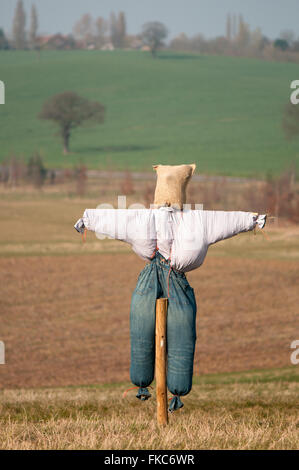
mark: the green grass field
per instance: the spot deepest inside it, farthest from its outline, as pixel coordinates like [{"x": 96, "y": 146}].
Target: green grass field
[{"x": 222, "y": 113}]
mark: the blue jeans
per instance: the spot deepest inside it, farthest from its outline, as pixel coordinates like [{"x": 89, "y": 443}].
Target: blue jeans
[{"x": 154, "y": 282}]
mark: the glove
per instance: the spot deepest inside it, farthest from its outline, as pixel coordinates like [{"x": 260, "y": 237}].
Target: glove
[
  {"x": 79, "y": 226},
  {"x": 261, "y": 220}
]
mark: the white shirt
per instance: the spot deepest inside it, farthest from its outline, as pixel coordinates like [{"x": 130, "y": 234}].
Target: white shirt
[{"x": 181, "y": 236}]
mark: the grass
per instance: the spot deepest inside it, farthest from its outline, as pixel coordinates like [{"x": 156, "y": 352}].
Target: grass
[
  {"x": 222, "y": 113},
  {"x": 258, "y": 376},
  {"x": 221, "y": 412}
]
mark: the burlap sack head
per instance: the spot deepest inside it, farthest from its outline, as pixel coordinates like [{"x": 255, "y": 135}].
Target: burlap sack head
[{"x": 171, "y": 184}]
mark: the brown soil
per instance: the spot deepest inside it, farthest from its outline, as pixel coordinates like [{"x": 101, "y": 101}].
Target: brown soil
[{"x": 65, "y": 320}]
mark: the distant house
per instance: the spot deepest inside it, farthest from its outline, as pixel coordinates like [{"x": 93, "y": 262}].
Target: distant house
[
  {"x": 108, "y": 47},
  {"x": 42, "y": 40},
  {"x": 57, "y": 41},
  {"x": 134, "y": 42}
]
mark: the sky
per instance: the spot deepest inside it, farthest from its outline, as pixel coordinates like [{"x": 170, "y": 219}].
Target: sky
[{"x": 190, "y": 16}]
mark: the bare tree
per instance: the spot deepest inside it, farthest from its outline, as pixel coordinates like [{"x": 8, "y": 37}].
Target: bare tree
[
  {"x": 121, "y": 29},
  {"x": 181, "y": 43},
  {"x": 101, "y": 31},
  {"x": 18, "y": 28},
  {"x": 234, "y": 27},
  {"x": 113, "y": 29},
  {"x": 288, "y": 35},
  {"x": 33, "y": 27},
  {"x": 243, "y": 37},
  {"x": 4, "y": 44},
  {"x": 153, "y": 34},
  {"x": 127, "y": 185},
  {"x": 256, "y": 40},
  {"x": 228, "y": 28},
  {"x": 118, "y": 29},
  {"x": 83, "y": 29},
  {"x": 68, "y": 111},
  {"x": 36, "y": 171},
  {"x": 81, "y": 178}
]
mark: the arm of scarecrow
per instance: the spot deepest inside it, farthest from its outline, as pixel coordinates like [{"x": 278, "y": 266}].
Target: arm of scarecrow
[
  {"x": 220, "y": 225},
  {"x": 121, "y": 224}
]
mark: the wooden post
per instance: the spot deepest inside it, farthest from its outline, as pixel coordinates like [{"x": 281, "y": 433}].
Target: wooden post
[{"x": 161, "y": 388}]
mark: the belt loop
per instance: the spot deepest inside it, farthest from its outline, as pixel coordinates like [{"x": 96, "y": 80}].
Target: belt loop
[
  {"x": 170, "y": 269},
  {"x": 155, "y": 252},
  {"x": 168, "y": 278}
]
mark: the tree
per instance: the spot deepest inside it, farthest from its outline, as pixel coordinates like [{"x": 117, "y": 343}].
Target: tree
[
  {"x": 18, "y": 29},
  {"x": 101, "y": 31},
  {"x": 181, "y": 43},
  {"x": 68, "y": 111},
  {"x": 118, "y": 29},
  {"x": 243, "y": 37},
  {"x": 83, "y": 29},
  {"x": 36, "y": 171},
  {"x": 288, "y": 35},
  {"x": 228, "y": 28},
  {"x": 256, "y": 41},
  {"x": 153, "y": 34},
  {"x": 281, "y": 44},
  {"x": 121, "y": 26},
  {"x": 234, "y": 27},
  {"x": 114, "y": 30},
  {"x": 60, "y": 42},
  {"x": 295, "y": 46},
  {"x": 3, "y": 41},
  {"x": 33, "y": 27}
]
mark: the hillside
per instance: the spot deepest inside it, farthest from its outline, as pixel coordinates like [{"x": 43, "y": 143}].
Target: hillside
[{"x": 222, "y": 113}]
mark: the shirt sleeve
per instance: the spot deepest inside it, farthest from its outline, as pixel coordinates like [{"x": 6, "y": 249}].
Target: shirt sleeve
[
  {"x": 127, "y": 225},
  {"x": 220, "y": 225}
]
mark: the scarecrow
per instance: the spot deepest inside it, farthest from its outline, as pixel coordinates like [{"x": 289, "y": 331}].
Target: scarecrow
[{"x": 174, "y": 240}]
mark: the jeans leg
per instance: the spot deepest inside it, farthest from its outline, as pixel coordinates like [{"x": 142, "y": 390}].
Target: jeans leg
[
  {"x": 142, "y": 327},
  {"x": 181, "y": 336}
]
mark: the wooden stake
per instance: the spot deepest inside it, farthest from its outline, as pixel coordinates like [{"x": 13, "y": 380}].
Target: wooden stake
[{"x": 161, "y": 388}]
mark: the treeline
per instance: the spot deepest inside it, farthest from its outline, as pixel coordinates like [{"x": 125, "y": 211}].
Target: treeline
[
  {"x": 15, "y": 172},
  {"x": 98, "y": 33},
  {"x": 278, "y": 196},
  {"x": 111, "y": 33},
  {"x": 20, "y": 37},
  {"x": 87, "y": 33},
  {"x": 240, "y": 40}
]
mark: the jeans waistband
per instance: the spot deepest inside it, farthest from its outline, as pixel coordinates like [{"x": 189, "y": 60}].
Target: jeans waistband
[{"x": 165, "y": 263}]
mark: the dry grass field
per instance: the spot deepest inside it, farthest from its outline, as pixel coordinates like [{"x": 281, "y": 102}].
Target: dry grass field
[
  {"x": 64, "y": 309},
  {"x": 253, "y": 411}
]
